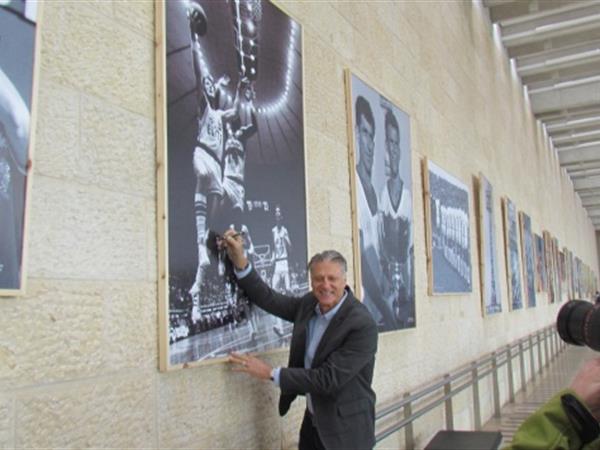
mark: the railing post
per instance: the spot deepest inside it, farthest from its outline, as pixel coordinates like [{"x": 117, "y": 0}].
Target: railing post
[
  {"x": 539, "y": 348},
  {"x": 546, "y": 353},
  {"x": 495, "y": 385},
  {"x": 522, "y": 366},
  {"x": 476, "y": 405},
  {"x": 448, "y": 403},
  {"x": 531, "y": 358},
  {"x": 409, "y": 440},
  {"x": 511, "y": 381}
]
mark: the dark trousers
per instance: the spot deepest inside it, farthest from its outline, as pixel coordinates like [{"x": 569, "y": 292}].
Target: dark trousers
[{"x": 309, "y": 436}]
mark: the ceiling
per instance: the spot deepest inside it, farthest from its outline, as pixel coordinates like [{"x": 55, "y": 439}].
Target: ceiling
[{"x": 555, "y": 47}]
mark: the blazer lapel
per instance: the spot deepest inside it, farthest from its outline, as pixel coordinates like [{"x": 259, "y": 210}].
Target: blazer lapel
[{"x": 298, "y": 344}]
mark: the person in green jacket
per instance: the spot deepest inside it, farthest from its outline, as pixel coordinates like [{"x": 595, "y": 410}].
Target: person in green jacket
[{"x": 569, "y": 420}]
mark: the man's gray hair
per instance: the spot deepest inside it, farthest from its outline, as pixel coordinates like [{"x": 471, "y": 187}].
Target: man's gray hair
[{"x": 329, "y": 255}]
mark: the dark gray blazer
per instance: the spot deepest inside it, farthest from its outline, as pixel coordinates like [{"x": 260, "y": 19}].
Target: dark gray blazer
[{"x": 340, "y": 378}]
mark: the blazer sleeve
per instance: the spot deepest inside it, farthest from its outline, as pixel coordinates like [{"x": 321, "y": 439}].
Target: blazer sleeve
[
  {"x": 357, "y": 349},
  {"x": 261, "y": 294}
]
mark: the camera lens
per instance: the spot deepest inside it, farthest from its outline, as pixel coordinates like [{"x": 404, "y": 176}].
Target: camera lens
[{"x": 578, "y": 323}]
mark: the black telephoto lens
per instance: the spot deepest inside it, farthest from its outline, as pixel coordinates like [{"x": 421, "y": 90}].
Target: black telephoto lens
[{"x": 578, "y": 323}]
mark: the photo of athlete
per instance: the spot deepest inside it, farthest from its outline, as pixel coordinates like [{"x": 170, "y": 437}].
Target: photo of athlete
[
  {"x": 234, "y": 97},
  {"x": 383, "y": 186},
  {"x": 17, "y": 48}
]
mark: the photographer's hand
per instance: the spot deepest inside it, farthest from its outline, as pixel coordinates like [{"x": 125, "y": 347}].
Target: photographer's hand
[{"x": 586, "y": 385}]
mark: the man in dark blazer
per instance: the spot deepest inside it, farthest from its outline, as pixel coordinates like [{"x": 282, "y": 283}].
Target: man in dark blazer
[{"x": 332, "y": 351}]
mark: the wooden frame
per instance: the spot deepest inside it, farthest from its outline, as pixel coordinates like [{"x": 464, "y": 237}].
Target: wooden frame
[
  {"x": 258, "y": 109},
  {"x": 528, "y": 258},
  {"x": 491, "y": 296},
  {"x": 19, "y": 75},
  {"x": 513, "y": 260},
  {"x": 449, "y": 241},
  {"x": 382, "y": 210}
]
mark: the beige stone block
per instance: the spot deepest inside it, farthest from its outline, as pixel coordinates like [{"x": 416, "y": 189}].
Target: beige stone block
[
  {"x": 202, "y": 405},
  {"x": 110, "y": 412},
  {"x": 340, "y": 212},
  {"x": 355, "y": 13},
  {"x": 322, "y": 21},
  {"x": 57, "y": 141},
  {"x": 6, "y": 422},
  {"x": 77, "y": 329},
  {"x": 406, "y": 76},
  {"x": 324, "y": 91},
  {"x": 291, "y": 425},
  {"x": 82, "y": 232},
  {"x": 319, "y": 219},
  {"x": 129, "y": 328},
  {"x": 138, "y": 17},
  {"x": 117, "y": 148},
  {"x": 86, "y": 139},
  {"x": 322, "y": 150},
  {"x": 60, "y": 338},
  {"x": 151, "y": 242},
  {"x": 84, "y": 49}
]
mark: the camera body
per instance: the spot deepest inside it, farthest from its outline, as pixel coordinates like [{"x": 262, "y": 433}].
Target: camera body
[{"x": 578, "y": 323}]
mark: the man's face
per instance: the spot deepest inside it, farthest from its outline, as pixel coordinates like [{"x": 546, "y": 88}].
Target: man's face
[
  {"x": 209, "y": 86},
  {"x": 392, "y": 154},
  {"x": 366, "y": 143},
  {"x": 278, "y": 216},
  {"x": 328, "y": 281}
]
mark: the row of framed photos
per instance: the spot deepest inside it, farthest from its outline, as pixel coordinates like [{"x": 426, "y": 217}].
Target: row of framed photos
[
  {"x": 230, "y": 126},
  {"x": 231, "y": 153},
  {"x": 534, "y": 263}
]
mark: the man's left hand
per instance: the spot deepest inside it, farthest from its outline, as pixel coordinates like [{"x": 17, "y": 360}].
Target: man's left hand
[{"x": 251, "y": 365}]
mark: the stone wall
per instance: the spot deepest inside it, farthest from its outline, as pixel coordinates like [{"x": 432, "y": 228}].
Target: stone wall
[{"x": 78, "y": 352}]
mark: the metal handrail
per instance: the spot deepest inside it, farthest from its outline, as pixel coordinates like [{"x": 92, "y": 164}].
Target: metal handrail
[{"x": 476, "y": 370}]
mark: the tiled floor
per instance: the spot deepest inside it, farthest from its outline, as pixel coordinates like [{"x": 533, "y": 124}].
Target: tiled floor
[{"x": 556, "y": 376}]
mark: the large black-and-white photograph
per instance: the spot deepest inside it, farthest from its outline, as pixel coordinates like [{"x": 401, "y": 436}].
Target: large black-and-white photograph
[
  {"x": 550, "y": 266},
  {"x": 540, "y": 264},
  {"x": 527, "y": 245},
  {"x": 572, "y": 276},
  {"x": 383, "y": 197},
  {"x": 491, "y": 295},
  {"x": 513, "y": 260},
  {"x": 18, "y": 19},
  {"x": 448, "y": 221},
  {"x": 235, "y": 157}
]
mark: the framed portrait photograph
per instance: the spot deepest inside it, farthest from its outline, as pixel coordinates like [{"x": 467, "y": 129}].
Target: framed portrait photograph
[
  {"x": 513, "y": 259},
  {"x": 557, "y": 275},
  {"x": 540, "y": 264},
  {"x": 381, "y": 184},
  {"x": 550, "y": 266},
  {"x": 563, "y": 275},
  {"x": 231, "y": 156},
  {"x": 527, "y": 246},
  {"x": 490, "y": 279},
  {"x": 569, "y": 272},
  {"x": 448, "y": 231},
  {"x": 18, "y": 79}
]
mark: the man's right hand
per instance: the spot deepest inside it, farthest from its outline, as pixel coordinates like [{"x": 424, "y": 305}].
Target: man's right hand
[{"x": 234, "y": 244}]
